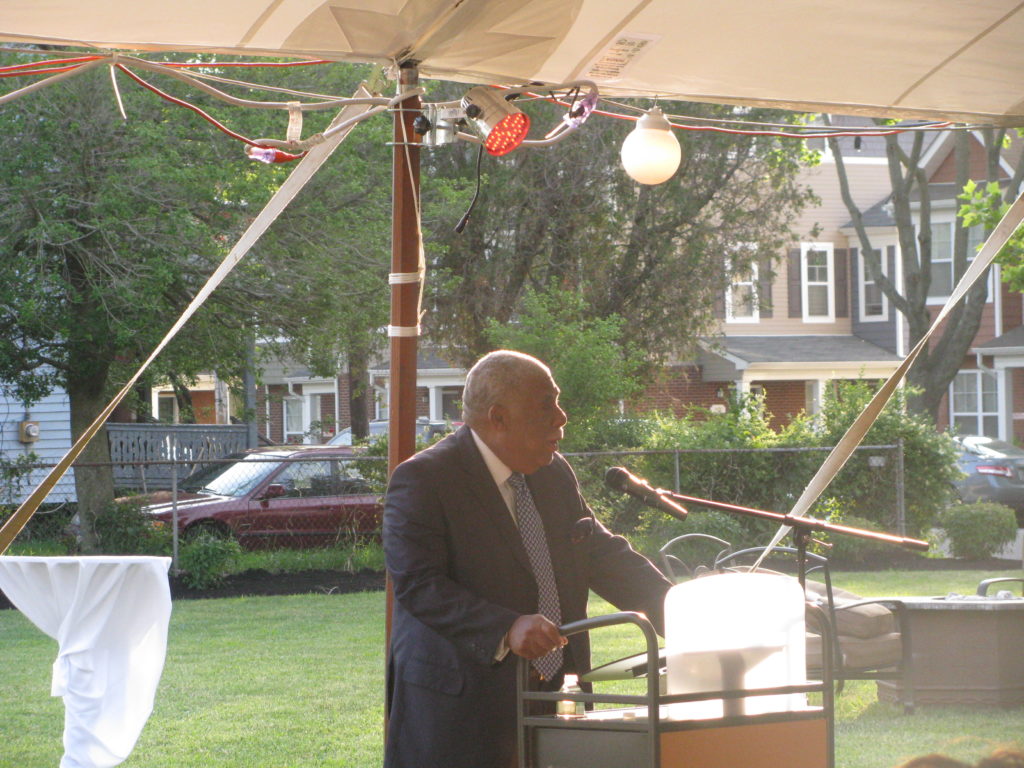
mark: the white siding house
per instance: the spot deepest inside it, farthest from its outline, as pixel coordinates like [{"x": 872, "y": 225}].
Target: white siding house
[{"x": 51, "y": 414}]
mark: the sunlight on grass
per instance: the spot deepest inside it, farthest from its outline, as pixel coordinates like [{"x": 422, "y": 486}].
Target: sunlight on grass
[{"x": 298, "y": 682}]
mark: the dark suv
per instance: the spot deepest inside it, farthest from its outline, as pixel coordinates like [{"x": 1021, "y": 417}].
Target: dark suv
[{"x": 293, "y": 496}]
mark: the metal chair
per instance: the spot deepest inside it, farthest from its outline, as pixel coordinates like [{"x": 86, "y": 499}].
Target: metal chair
[
  {"x": 984, "y": 584},
  {"x": 691, "y": 555}
]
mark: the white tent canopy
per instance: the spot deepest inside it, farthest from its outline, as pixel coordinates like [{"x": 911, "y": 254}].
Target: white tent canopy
[{"x": 904, "y": 58}]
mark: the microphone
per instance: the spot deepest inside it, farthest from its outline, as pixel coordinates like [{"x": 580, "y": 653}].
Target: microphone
[{"x": 624, "y": 481}]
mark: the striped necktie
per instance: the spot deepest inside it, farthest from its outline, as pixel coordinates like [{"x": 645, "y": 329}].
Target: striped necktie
[{"x": 531, "y": 528}]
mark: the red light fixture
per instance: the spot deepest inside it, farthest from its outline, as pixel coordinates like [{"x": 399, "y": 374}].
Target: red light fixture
[{"x": 502, "y": 125}]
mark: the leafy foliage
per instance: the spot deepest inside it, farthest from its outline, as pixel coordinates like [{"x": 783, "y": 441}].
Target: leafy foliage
[
  {"x": 207, "y": 558},
  {"x": 737, "y": 458},
  {"x": 589, "y": 358},
  {"x": 985, "y": 205},
  {"x": 566, "y": 215},
  {"x": 854, "y": 550},
  {"x": 125, "y": 529},
  {"x": 929, "y": 458},
  {"x": 108, "y": 228},
  {"x": 978, "y": 530}
]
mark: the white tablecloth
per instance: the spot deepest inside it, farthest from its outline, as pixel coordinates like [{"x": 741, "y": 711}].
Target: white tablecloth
[{"x": 109, "y": 616}]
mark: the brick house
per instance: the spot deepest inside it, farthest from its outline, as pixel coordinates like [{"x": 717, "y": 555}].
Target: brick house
[{"x": 817, "y": 316}]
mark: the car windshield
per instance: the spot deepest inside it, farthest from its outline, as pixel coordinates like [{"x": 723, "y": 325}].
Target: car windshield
[
  {"x": 235, "y": 478},
  {"x": 344, "y": 436},
  {"x": 206, "y": 473},
  {"x": 988, "y": 446}
]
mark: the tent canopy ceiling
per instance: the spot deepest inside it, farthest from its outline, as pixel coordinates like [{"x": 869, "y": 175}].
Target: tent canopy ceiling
[{"x": 947, "y": 59}]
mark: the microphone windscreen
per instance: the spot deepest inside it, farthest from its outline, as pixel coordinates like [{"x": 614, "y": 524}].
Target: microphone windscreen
[{"x": 617, "y": 479}]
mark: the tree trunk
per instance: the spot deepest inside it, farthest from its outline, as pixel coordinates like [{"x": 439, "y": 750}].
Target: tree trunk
[
  {"x": 94, "y": 485},
  {"x": 186, "y": 411},
  {"x": 937, "y": 365},
  {"x": 359, "y": 390}
]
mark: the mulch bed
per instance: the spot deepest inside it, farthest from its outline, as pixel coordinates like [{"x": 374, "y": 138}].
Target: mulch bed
[{"x": 260, "y": 582}]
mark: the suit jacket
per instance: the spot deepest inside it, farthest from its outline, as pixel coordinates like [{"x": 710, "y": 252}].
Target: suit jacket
[{"x": 461, "y": 576}]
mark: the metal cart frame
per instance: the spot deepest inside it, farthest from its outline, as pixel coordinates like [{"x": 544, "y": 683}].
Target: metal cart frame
[{"x": 603, "y": 742}]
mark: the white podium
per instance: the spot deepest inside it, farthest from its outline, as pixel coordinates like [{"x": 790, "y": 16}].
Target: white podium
[{"x": 109, "y": 616}]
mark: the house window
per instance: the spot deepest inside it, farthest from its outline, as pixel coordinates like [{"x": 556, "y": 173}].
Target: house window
[
  {"x": 942, "y": 257},
  {"x": 293, "y": 430},
  {"x": 873, "y": 304},
  {"x": 741, "y": 299},
  {"x": 167, "y": 409},
  {"x": 816, "y": 282},
  {"x": 974, "y": 403},
  {"x": 451, "y": 403}
]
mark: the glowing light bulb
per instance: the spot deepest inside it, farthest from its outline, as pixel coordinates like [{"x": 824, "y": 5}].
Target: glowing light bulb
[{"x": 651, "y": 153}]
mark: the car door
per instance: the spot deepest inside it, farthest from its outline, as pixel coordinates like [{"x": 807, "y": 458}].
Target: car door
[
  {"x": 359, "y": 510},
  {"x": 296, "y": 507}
]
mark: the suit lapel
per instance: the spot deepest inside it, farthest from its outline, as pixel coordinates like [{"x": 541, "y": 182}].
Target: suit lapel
[{"x": 492, "y": 508}]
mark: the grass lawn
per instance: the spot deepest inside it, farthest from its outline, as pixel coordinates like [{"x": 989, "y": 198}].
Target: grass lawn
[{"x": 297, "y": 682}]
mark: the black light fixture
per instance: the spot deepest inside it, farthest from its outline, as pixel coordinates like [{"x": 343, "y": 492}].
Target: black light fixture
[{"x": 502, "y": 125}]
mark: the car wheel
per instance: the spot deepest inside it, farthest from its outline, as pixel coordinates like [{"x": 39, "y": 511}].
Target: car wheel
[{"x": 210, "y": 528}]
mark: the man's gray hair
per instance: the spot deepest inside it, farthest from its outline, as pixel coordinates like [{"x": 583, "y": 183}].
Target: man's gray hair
[{"x": 493, "y": 378}]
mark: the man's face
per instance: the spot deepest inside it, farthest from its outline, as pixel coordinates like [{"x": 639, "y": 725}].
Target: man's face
[{"x": 531, "y": 424}]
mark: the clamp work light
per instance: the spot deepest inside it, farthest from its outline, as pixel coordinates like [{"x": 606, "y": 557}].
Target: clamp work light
[{"x": 502, "y": 125}]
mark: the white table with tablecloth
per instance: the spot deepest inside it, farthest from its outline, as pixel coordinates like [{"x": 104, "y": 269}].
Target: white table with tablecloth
[{"x": 109, "y": 616}]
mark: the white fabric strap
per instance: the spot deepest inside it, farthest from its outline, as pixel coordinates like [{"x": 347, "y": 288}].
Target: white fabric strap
[
  {"x": 403, "y": 278},
  {"x": 294, "y": 132},
  {"x": 403, "y": 331},
  {"x": 855, "y": 434}
]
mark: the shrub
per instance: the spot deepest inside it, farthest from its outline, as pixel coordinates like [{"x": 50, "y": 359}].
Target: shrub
[
  {"x": 866, "y": 487},
  {"x": 48, "y": 527},
  {"x": 724, "y": 459},
  {"x": 124, "y": 529},
  {"x": 206, "y": 559},
  {"x": 977, "y": 531}
]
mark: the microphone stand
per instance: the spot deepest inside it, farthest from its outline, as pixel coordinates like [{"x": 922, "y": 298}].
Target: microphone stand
[{"x": 802, "y": 527}]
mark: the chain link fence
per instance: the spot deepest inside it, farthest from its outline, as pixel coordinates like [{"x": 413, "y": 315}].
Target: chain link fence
[
  {"x": 319, "y": 497},
  {"x": 870, "y": 487}
]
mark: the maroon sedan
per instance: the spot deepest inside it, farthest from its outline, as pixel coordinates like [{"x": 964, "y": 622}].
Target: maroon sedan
[{"x": 294, "y": 496}]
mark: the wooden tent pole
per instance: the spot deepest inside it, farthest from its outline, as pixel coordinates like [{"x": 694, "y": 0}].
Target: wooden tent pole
[
  {"x": 405, "y": 296},
  {"x": 405, "y": 260}
]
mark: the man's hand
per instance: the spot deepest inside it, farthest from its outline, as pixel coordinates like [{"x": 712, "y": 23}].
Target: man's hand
[{"x": 533, "y": 636}]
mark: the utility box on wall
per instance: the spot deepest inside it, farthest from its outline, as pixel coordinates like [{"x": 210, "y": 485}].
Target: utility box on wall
[{"x": 28, "y": 431}]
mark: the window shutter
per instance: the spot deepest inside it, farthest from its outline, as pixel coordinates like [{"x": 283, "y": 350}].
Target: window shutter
[
  {"x": 793, "y": 279},
  {"x": 718, "y": 306},
  {"x": 842, "y": 282},
  {"x": 856, "y": 270},
  {"x": 764, "y": 288}
]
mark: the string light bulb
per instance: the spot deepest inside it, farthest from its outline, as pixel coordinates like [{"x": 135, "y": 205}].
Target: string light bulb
[{"x": 651, "y": 153}]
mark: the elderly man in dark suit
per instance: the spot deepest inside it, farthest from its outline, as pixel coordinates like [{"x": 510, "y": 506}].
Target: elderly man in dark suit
[{"x": 486, "y": 566}]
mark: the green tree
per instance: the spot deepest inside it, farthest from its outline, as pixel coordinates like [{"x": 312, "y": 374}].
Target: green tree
[
  {"x": 912, "y": 211},
  {"x": 109, "y": 227},
  {"x": 929, "y": 458},
  {"x": 569, "y": 216},
  {"x": 594, "y": 367}
]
